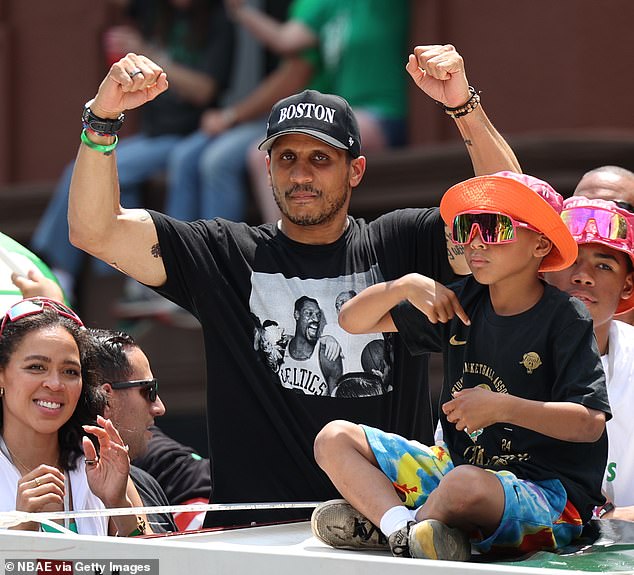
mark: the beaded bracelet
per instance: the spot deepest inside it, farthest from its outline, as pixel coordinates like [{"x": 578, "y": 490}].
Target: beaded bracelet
[
  {"x": 106, "y": 149},
  {"x": 470, "y": 105}
]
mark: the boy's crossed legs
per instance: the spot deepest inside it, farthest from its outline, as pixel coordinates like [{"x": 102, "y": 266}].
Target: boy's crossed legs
[{"x": 426, "y": 506}]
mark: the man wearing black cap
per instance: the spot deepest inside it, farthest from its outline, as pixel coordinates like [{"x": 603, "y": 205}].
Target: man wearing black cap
[{"x": 235, "y": 277}]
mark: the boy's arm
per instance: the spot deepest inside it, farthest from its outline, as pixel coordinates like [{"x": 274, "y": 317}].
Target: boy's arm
[
  {"x": 476, "y": 408},
  {"x": 369, "y": 311}
]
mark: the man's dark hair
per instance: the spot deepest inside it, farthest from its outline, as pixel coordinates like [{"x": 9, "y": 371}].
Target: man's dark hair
[{"x": 110, "y": 355}]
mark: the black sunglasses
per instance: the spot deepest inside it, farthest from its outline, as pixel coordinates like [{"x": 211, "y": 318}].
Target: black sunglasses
[{"x": 150, "y": 385}]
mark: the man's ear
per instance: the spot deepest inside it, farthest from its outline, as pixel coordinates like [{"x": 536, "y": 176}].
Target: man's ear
[
  {"x": 268, "y": 169},
  {"x": 628, "y": 286},
  {"x": 107, "y": 410},
  {"x": 357, "y": 169}
]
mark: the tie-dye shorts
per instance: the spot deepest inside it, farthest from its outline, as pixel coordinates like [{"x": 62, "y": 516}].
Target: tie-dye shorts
[{"x": 537, "y": 514}]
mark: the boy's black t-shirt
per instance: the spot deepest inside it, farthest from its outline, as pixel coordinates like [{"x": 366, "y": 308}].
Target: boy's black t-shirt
[
  {"x": 260, "y": 296},
  {"x": 547, "y": 353}
]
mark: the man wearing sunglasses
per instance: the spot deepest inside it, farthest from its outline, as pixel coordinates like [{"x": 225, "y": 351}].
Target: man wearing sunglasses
[
  {"x": 602, "y": 277},
  {"x": 132, "y": 405},
  {"x": 228, "y": 273}
]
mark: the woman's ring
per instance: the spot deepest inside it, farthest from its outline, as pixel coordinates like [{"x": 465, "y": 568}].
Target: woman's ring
[
  {"x": 37, "y": 482},
  {"x": 135, "y": 72},
  {"x": 91, "y": 461}
]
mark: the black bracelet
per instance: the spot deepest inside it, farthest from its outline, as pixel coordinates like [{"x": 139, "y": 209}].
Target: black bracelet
[
  {"x": 100, "y": 126},
  {"x": 471, "y": 104},
  {"x": 473, "y": 93},
  {"x": 601, "y": 511}
]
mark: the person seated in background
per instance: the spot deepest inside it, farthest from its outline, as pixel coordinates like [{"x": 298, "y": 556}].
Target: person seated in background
[
  {"x": 610, "y": 183},
  {"x": 602, "y": 277},
  {"x": 523, "y": 403},
  {"x": 193, "y": 40},
  {"x": 183, "y": 474},
  {"x": 132, "y": 403},
  {"x": 49, "y": 402},
  {"x": 354, "y": 49}
]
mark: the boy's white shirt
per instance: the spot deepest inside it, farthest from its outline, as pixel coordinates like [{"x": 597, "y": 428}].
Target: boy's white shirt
[{"x": 618, "y": 363}]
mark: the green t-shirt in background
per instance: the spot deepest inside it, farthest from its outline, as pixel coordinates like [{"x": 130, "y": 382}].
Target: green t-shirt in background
[{"x": 363, "y": 48}]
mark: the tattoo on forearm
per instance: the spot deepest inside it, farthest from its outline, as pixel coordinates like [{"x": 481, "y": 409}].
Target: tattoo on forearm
[{"x": 156, "y": 251}]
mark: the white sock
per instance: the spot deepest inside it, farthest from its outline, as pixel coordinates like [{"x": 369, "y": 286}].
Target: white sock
[{"x": 395, "y": 518}]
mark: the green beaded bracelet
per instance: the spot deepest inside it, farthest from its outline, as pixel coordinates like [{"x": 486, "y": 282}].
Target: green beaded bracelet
[{"x": 105, "y": 150}]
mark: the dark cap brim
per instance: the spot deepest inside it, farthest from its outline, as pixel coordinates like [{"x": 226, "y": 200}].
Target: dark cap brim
[{"x": 268, "y": 143}]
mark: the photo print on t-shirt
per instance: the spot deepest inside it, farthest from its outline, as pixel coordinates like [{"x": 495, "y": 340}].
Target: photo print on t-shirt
[{"x": 298, "y": 337}]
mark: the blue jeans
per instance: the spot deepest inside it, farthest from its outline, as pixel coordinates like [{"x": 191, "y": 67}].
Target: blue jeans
[
  {"x": 206, "y": 174},
  {"x": 138, "y": 158}
]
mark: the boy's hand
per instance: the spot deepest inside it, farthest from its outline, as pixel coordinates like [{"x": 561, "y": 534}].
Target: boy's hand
[
  {"x": 436, "y": 301},
  {"x": 472, "y": 409},
  {"x": 439, "y": 72}
]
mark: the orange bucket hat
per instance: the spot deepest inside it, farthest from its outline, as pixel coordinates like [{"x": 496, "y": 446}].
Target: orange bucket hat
[{"x": 524, "y": 198}]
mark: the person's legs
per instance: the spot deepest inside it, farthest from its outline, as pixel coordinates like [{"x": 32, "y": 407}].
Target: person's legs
[
  {"x": 183, "y": 184},
  {"x": 50, "y": 239},
  {"x": 260, "y": 184},
  {"x": 407, "y": 473},
  {"x": 467, "y": 497},
  {"x": 537, "y": 515},
  {"x": 379, "y": 132},
  {"x": 140, "y": 157},
  {"x": 343, "y": 452},
  {"x": 222, "y": 172}
]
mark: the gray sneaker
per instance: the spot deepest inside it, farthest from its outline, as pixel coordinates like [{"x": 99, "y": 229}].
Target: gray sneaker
[
  {"x": 399, "y": 541},
  {"x": 431, "y": 539},
  {"x": 340, "y": 525}
]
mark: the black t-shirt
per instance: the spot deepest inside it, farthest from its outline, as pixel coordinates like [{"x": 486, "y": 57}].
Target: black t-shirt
[
  {"x": 152, "y": 496},
  {"x": 170, "y": 113},
  {"x": 180, "y": 471},
  {"x": 547, "y": 353},
  {"x": 264, "y": 406}
]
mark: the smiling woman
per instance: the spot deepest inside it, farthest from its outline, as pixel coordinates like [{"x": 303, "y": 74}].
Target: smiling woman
[{"x": 49, "y": 399}]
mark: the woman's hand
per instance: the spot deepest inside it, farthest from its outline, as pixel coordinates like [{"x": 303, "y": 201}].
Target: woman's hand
[
  {"x": 108, "y": 472},
  {"x": 40, "y": 490}
]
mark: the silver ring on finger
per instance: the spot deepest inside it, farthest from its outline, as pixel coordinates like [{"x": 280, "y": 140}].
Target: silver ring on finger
[{"x": 135, "y": 72}]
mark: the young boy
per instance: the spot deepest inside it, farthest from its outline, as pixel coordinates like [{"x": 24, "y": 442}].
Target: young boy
[
  {"x": 523, "y": 405},
  {"x": 602, "y": 277}
]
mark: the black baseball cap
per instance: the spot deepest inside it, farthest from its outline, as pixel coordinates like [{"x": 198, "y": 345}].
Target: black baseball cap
[{"x": 326, "y": 117}]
